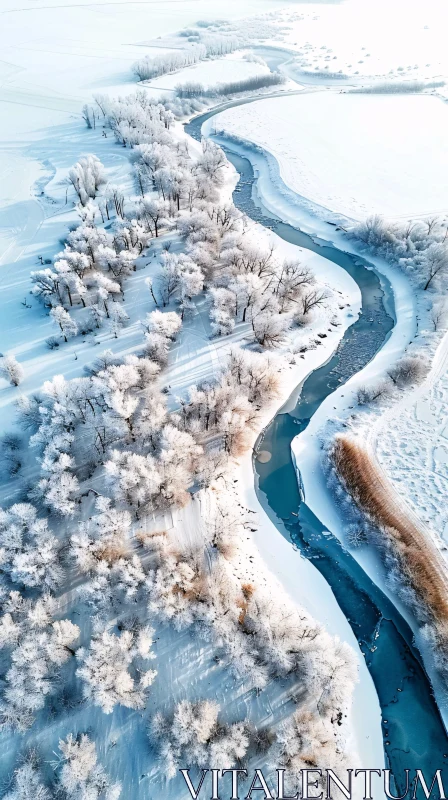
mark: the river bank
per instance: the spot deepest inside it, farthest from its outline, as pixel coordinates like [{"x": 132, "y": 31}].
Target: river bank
[
  {"x": 307, "y": 447},
  {"x": 396, "y": 634}
]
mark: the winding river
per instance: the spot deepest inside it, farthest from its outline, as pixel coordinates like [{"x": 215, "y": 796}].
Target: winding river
[{"x": 413, "y": 732}]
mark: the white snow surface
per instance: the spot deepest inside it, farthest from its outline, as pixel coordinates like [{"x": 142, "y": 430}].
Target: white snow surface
[
  {"x": 411, "y": 444},
  {"x": 400, "y": 40},
  {"x": 353, "y": 154},
  {"x": 55, "y": 56}
]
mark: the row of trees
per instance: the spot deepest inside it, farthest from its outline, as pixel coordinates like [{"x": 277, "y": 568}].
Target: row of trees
[
  {"x": 205, "y": 46},
  {"x": 196, "y": 89}
]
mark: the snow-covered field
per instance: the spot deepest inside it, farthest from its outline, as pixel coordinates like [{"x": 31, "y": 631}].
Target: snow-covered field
[
  {"x": 399, "y": 40},
  {"x": 352, "y": 154},
  {"x": 55, "y": 56}
]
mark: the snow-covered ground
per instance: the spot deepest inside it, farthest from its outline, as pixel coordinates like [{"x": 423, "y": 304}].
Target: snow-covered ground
[
  {"x": 43, "y": 85},
  {"x": 37, "y": 227},
  {"x": 56, "y": 55},
  {"x": 411, "y": 443},
  {"x": 401, "y": 40},
  {"x": 353, "y": 154}
]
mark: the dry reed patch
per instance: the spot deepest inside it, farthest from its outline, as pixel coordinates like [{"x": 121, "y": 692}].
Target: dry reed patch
[{"x": 419, "y": 558}]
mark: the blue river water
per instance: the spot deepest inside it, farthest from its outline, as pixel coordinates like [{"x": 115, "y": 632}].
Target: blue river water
[{"x": 414, "y": 735}]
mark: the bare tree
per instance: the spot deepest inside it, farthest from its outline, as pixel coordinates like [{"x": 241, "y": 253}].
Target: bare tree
[
  {"x": 439, "y": 315},
  {"x": 435, "y": 263},
  {"x": 373, "y": 394},
  {"x": 270, "y": 329},
  {"x": 312, "y": 299},
  {"x": 409, "y": 370},
  {"x": 431, "y": 223}
]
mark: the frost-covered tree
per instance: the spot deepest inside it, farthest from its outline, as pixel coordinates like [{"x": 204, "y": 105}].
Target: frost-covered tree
[
  {"x": 195, "y": 736},
  {"x": 312, "y": 298},
  {"x": 439, "y": 315},
  {"x": 247, "y": 258},
  {"x": 29, "y": 553},
  {"x": 11, "y": 370},
  {"x": 37, "y": 647},
  {"x": 118, "y": 318},
  {"x": 58, "y": 490},
  {"x": 104, "y": 537},
  {"x": 164, "y": 323},
  {"x": 86, "y": 176},
  {"x": 168, "y": 279},
  {"x": 27, "y": 782},
  {"x": 228, "y": 407},
  {"x": 212, "y": 162},
  {"x": 47, "y": 285},
  {"x": 223, "y": 310},
  {"x": 81, "y": 777},
  {"x": 304, "y": 741},
  {"x": 63, "y": 320},
  {"x": 155, "y": 212},
  {"x": 112, "y": 668},
  {"x": 155, "y": 481},
  {"x": 149, "y": 284},
  {"x": 270, "y": 329},
  {"x": 102, "y": 288},
  {"x": 373, "y": 393},
  {"x": 11, "y": 453},
  {"x": 113, "y": 585},
  {"x": 157, "y": 348},
  {"x": 290, "y": 281},
  {"x": 435, "y": 263}
]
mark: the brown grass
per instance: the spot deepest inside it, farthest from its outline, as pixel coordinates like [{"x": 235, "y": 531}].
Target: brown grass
[
  {"x": 150, "y": 538},
  {"x": 420, "y": 560},
  {"x": 112, "y": 552},
  {"x": 247, "y": 589}
]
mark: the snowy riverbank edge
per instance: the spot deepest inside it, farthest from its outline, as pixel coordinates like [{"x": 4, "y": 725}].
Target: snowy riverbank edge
[{"x": 297, "y": 575}]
